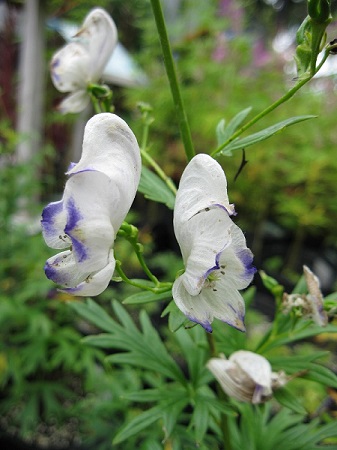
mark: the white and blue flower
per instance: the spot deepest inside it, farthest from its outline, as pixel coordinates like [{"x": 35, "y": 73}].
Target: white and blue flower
[
  {"x": 216, "y": 258},
  {"x": 246, "y": 376},
  {"x": 82, "y": 61},
  {"x": 97, "y": 196}
]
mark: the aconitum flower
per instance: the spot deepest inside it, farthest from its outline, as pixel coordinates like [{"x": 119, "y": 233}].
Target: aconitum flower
[
  {"x": 310, "y": 305},
  {"x": 216, "y": 258},
  {"x": 246, "y": 376},
  {"x": 97, "y": 196},
  {"x": 81, "y": 62}
]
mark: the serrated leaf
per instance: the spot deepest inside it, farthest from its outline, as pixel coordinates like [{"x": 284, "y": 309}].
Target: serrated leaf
[
  {"x": 146, "y": 297},
  {"x": 245, "y": 142},
  {"x": 224, "y": 132},
  {"x": 155, "y": 189},
  {"x": 287, "y": 399}
]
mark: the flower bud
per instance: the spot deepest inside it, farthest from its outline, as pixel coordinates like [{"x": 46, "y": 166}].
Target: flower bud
[{"x": 319, "y": 10}]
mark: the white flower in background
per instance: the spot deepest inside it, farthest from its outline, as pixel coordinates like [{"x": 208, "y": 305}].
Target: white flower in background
[
  {"x": 97, "y": 196},
  {"x": 81, "y": 62},
  {"x": 311, "y": 305},
  {"x": 246, "y": 376},
  {"x": 217, "y": 261}
]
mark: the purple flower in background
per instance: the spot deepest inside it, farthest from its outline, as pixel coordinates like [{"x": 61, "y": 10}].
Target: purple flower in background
[
  {"x": 217, "y": 260},
  {"x": 82, "y": 61},
  {"x": 97, "y": 196}
]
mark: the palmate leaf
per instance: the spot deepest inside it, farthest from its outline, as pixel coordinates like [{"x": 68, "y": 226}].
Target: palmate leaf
[
  {"x": 142, "y": 348},
  {"x": 240, "y": 143},
  {"x": 155, "y": 189}
]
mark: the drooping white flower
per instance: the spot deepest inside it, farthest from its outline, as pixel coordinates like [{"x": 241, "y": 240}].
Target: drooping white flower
[
  {"x": 246, "y": 376},
  {"x": 310, "y": 305},
  {"x": 216, "y": 258},
  {"x": 81, "y": 62},
  {"x": 97, "y": 196}
]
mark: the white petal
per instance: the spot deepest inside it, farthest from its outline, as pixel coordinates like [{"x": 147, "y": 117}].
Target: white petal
[
  {"x": 227, "y": 306},
  {"x": 236, "y": 261},
  {"x": 109, "y": 146},
  {"x": 203, "y": 183},
  {"x": 63, "y": 270},
  {"x": 202, "y": 240},
  {"x": 99, "y": 36},
  {"x": 53, "y": 222},
  {"x": 92, "y": 203},
  {"x": 69, "y": 68},
  {"x": 227, "y": 375},
  {"x": 255, "y": 366},
  {"x": 96, "y": 283},
  {"x": 74, "y": 102}
]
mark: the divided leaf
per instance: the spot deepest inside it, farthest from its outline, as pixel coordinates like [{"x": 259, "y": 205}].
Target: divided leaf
[{"x": 155, "y": 189}]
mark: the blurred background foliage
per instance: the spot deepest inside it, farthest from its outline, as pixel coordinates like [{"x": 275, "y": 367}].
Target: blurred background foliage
[{"x": 55, "y": 390}]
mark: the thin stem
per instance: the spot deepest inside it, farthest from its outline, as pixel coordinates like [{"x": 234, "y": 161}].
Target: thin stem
[
  {"x": 273, "y": 106},
  {"x": 167, "y": 180},
  {"x": 172, "y": 76},
  {"x": 130, "y": 233},
  {"x": 159, "y": 288}
]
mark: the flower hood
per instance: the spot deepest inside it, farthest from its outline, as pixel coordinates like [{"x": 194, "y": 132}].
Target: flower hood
[
  {"x": 97, "y": 196},
  {"x": 82, "y": 61},
  {"x": 216, "y": 258}
]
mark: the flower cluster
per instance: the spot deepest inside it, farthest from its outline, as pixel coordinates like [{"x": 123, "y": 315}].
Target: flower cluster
[
  {"x": 97, "y": 196},
  {"x": 81, "y": 62},
  {"x": 246, "y": 376},
  {"x": 217, "y": 260}
]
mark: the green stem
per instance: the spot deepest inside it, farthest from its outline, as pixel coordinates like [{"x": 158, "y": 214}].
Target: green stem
[
  {"x": 130, "y": 233},
  {"x": 143, "y": 150},
  {"x": 159, "y": 288},
  {"x": 167, "y": 180},
  {"x": 273, "y": 106},
  {"x": 172, "y": 77}
]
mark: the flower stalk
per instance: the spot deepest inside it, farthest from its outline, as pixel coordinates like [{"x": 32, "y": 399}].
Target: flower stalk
[
  {"x": 147, "y": 120},
  {"x": 173, "y": 80},
  {"x": 130, "y": 233},
  {"x": 274, "y": 105}
]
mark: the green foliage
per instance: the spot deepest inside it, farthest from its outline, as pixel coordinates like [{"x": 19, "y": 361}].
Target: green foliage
[{"x": 155, "y": 189}]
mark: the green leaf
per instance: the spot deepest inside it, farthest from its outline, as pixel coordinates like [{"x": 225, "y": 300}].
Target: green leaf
[
  {"x": 287, "y": 399},
  {"x": 245, "y": 142},
  {"x": 146, "y": 297},
  {"x": 94, "y": 314},
  {"x": 322, "y": 375},
  {"x": 191, "y": 342},
  {"x": 200, "y": 419},
  {"x": 305, "y": 333},
  {"x": 176, "y": 318},
  {"x": 223, "y": 133},
  {"x": 139, "y": 423},
  {"x": 154, "y": 188}
]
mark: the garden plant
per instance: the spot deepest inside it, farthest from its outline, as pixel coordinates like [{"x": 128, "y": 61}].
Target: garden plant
[{"x": 176, "y": 356}]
